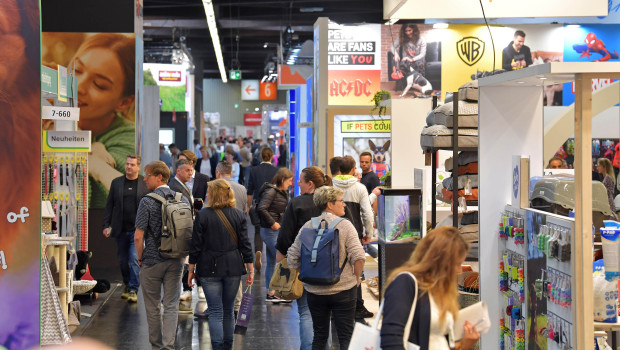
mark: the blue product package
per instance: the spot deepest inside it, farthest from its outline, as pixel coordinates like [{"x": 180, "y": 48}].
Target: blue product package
[{"x": 610, "y": 235}]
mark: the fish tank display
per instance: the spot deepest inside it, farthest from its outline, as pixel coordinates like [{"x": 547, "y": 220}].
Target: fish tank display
[{"x": 400, "y": 215}]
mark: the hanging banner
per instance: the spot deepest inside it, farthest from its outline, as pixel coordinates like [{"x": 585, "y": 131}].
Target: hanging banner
[
  {"x": 354, "y": 64},
  {"x": 20, "y": 208},
  {"x": 590, "y": 43}
]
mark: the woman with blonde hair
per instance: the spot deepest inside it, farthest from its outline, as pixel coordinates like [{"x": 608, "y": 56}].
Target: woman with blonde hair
[
  {"x": 603, "y": 166},
  {"x": 220, "y": 247},
  {"x": 435, "y": 263}
]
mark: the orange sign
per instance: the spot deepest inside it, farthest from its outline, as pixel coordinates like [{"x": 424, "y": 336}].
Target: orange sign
[
  {"x": 353, "y": 87},
  {"x": 268, "y": 91}
]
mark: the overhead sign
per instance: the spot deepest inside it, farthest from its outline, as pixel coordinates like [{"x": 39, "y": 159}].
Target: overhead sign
[
  {"x": 60, "y": 113},
  {"x": 354, "y": 63},
  {"x": 268, "y": 91},
  {"x": 419, "y": 9},
  {"x": 249, "y": 90},
  {"x": 234, "y": 74},
  {"x": 170, "y": 75},
  {"x": 252, "y": 119},
  {"x": 66, "y": 141}
]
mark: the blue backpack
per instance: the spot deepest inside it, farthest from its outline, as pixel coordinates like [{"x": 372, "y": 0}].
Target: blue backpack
[{"x": 320, "y": 253}]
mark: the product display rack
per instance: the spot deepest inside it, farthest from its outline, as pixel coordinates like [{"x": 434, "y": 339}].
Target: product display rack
[{"x": 511, "y": 123}]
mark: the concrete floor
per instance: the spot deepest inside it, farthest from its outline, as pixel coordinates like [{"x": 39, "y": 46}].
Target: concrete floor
[{"x": 273, "y": 326}]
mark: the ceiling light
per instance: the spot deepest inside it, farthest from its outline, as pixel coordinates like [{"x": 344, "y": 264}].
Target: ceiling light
[
  {"x": 311, "y": 9},
  {"x": 542, "y": 78},
  {"x": 573, "y": 26},
  {"x": 440, "y": 25},
  {"x": 210, "y": 14},
  {"x": 265, "y": 45},
  {"x": 520, "y": 82}
]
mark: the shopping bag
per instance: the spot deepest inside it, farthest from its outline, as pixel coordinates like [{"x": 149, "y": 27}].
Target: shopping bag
[
  {"x": 245, "y": 310},
  {"x": 285, "y": 282},
  {"x": 369, "y": 337}
]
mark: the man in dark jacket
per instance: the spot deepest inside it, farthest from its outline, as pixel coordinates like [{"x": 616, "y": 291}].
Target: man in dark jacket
[
  {"x": 119, "y": 219},
  {"x": 264, "y": 172},
  {"x": 197, "y": 184}
]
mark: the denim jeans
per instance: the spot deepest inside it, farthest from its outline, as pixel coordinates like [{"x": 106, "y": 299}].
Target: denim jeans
[
  {"x": 128, "y": 260},
  {"x": 305, "y": 322},
  {"x": 270, "y": 237},
  {"x": 220, "y": 293},
  {"x": 340, "y": 306}
]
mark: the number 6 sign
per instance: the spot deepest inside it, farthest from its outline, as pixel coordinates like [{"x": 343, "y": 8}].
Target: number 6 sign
[{"x": 268, "y": 91}]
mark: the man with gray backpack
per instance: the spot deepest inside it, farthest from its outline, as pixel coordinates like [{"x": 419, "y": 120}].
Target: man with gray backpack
[{"x": 163, "y": 235}]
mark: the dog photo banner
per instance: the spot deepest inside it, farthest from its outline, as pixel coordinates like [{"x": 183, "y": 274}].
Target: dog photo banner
[{"x": 354, "y": 64}]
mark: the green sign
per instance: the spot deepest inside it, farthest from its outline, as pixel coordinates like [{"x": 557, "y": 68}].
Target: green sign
[
  {"x": 235, "y": 74},
  {"x": 49, "y": 80}
]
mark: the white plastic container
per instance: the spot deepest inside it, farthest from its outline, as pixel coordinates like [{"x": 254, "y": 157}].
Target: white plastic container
[{"x": 610, "y": 237}]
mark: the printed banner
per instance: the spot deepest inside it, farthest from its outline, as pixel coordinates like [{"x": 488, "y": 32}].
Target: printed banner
[
  {"x": 590, "y": 43},
  {"x": 354, "y": 64},
  {"x": 104, "y": 64},
  {"x": 365, "y": 126},
  {"x": 20, "y": 208}
]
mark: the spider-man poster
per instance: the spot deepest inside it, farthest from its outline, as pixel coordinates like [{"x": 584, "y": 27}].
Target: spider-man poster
[{"x": 590, "y": 43}]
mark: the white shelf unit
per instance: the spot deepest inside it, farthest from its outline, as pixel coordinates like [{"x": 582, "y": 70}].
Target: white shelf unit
[{"x": 511, "y": 123}]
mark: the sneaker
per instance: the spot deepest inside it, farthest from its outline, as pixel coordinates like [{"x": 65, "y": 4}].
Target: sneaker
[
  {"x": 257, "y": 263},
  {"x": 273, "y": 299},
  {"x": 186, "y": 295},
  {"x": 184, "y": 309},
  {"x": 132, "y": 297},
  {"x": 202, "y": 315},
  {"x": 125, "y": 294},
  {"x": 201, "y": 293}
]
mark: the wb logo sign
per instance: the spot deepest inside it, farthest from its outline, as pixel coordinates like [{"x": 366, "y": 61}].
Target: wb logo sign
[{"x": 470, "y": 50}]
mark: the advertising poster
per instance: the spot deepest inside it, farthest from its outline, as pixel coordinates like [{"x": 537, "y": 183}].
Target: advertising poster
[
  {"x": 104, "y": 64},
  {"x": 355, "y": 134},
  {"x": 172, "y": 81},
  {"x": 354, "y": 55},
  {"x": 467, "y": 49},
  {"x": 20, "y": 227},
  {"x": 411, "y": 60},
  {"x": 590, "y": 43}
]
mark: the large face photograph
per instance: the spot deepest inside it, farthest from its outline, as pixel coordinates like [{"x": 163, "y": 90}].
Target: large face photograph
[{"x": 104, "y": 65}]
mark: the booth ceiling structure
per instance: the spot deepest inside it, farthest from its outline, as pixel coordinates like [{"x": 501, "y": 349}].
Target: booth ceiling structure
[{"x": 250, "y": 31}]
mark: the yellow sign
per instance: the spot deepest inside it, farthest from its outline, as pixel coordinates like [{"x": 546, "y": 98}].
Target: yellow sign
[
  {"x": 66, "y": 141},
  {"x": 467, "y": 49},
  {"x": 365, "y": 126}
]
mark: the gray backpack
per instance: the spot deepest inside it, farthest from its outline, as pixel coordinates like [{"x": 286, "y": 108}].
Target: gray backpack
[{"x": 177, "y": 225}]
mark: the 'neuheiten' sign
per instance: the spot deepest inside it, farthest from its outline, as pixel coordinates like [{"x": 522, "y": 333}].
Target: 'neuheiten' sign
[{"x": 66, "y": 141}]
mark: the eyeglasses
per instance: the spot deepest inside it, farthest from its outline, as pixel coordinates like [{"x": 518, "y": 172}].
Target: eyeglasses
[
  {"x": 339, "y": 200},
  {"x": 147, "y": 176}
]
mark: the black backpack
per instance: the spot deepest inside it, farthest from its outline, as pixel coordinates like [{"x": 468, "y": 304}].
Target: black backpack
[{"x": 254, "y": 217}]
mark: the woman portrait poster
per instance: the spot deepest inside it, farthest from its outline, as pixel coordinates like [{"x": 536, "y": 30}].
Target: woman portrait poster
[{"x": 104, "y": 64}]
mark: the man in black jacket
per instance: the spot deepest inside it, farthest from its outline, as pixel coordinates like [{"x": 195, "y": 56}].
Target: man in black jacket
[
  {"x": 119, "y": 220},
  {"x": 197, "y": 184},
  {"x": 264, "y": 172}
]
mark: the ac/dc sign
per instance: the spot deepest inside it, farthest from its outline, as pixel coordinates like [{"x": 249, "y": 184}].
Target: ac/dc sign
[{"x": 470, "y": 50}]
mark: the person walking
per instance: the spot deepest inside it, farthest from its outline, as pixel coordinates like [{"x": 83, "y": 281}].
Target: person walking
[
  {"x": 158, "y": 272},
  {"x": 119, "y": 220},
  {"x": 337, "y": 301},
  {"x": 222, "y": 253},
  {"x": 270, "y": 210}
]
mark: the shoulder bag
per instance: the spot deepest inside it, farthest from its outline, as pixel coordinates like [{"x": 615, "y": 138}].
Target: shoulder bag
[{"x": 369, "y": 337}]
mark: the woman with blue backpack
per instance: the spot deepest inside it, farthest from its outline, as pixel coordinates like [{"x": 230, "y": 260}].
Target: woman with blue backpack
[{"x": 331, "y": 285}]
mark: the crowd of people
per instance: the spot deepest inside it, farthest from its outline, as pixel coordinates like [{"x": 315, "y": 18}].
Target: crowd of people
[{"x": 223, "y": 256}]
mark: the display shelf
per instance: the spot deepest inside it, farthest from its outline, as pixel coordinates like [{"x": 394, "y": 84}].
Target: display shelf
[
  {"x": 602, "y": 326},
  {"x": 511, "y": 123}
]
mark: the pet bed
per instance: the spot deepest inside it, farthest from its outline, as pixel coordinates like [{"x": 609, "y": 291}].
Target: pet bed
[
  {"x": 442, "y": 115},
  {"x": 469, "y": 91}
]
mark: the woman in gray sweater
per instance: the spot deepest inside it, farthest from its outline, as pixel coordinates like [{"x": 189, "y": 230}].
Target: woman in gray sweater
[{"x": 337, "y": 300}]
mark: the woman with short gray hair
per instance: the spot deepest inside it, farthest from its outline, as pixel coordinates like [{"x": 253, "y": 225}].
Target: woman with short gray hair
[{"x": 338, "y": 299}]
